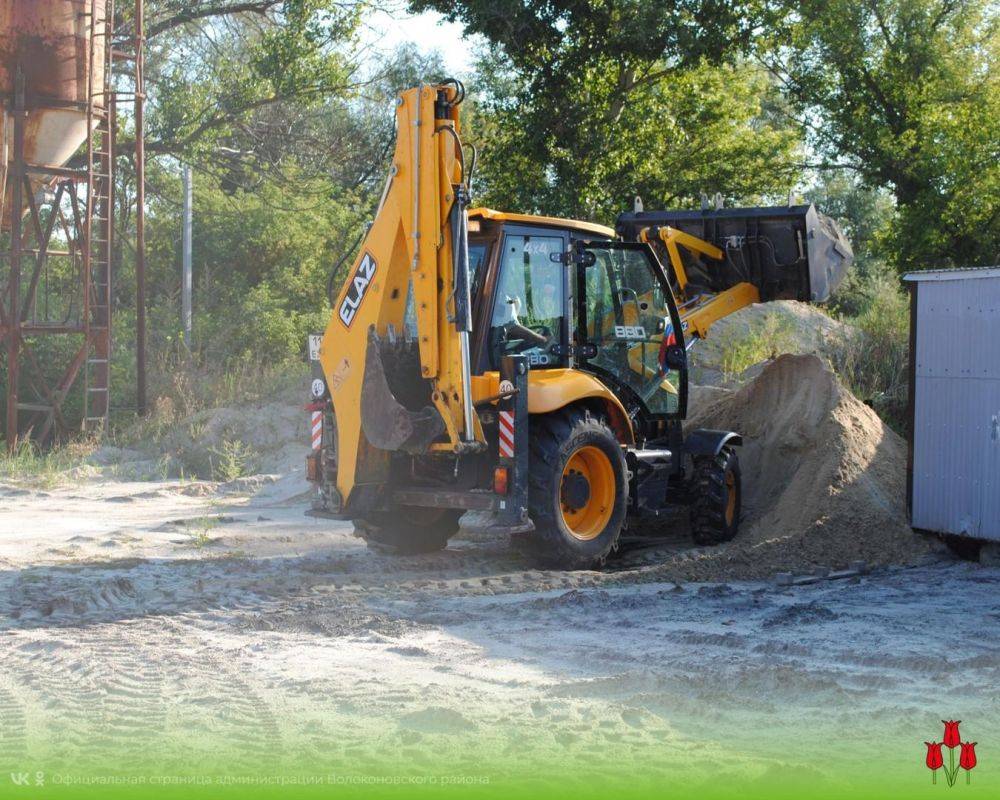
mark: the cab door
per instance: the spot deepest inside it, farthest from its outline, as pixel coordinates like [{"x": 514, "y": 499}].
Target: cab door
[
  {"x": 628, "y": 325},
  {"x": 531, "y": 291}
]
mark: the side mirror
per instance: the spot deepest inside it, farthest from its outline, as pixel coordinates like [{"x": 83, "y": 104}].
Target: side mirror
[{"x": 675, "y": 357}]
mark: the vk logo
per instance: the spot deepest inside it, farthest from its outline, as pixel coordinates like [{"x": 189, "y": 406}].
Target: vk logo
[{"x": 24, "y": 779}]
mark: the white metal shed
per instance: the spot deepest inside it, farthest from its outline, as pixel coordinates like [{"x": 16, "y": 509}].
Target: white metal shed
[{"x": 953, "y": 476}]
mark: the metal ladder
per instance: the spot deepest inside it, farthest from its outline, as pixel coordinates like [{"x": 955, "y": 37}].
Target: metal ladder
[{"x": 99, "y": 229}]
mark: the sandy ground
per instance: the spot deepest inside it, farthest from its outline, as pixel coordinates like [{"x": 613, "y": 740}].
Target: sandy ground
[
  {"x": 191, "y": 626},
  {"x": 164, "y": 618}
]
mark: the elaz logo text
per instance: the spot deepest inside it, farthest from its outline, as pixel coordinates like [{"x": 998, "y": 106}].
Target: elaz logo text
[{"x": 357, "y": 288}]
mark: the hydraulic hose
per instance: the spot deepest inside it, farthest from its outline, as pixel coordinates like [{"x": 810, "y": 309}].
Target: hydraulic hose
[{"x": 343, "y": 258}]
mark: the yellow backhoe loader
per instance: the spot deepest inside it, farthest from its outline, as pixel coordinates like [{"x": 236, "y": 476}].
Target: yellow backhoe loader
[{"x": 534, "y": 369}]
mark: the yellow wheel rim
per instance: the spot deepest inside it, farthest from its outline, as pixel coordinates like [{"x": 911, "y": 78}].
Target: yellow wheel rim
[
  {"x": 730, "y": 497},
  {"x": 587, "y": 493}
]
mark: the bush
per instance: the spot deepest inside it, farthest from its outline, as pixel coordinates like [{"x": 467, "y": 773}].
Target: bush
[
  {"x": 232, "y": 459},
  {"x": 874, "y": 365}
]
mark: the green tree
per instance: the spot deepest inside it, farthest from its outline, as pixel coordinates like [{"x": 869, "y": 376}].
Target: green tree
[
  {"x": 581, "y": 105},
  {"x": 553, "y": 43},
  {"x": 262, "y": 259},
  {"x": 220, "y": 72},
  {"x": 701, "y": 129},
  {"x": 906, "y": 93},
  {"x": 867, "y": 215}
]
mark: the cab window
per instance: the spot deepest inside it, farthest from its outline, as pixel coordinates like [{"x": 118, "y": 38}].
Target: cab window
[
  {"x": 629, "y": 323},
  {"x": 530, "y": 293},
  {"x": 478, "y": 252}
]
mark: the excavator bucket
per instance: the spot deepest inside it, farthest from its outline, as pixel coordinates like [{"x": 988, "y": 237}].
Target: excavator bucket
[{"x": 786, "y": 252}]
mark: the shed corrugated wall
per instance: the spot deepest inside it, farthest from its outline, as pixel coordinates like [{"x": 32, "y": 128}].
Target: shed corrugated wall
[{"x": 956, "y": 412}]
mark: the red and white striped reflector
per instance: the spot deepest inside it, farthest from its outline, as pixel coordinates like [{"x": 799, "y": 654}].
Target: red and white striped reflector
[
  {"x": 506, "y": 434},
  {"x": 317, "y": 429}
]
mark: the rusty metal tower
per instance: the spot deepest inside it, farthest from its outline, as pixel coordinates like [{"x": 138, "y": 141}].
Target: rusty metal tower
[{"x": 60, "y": 92}]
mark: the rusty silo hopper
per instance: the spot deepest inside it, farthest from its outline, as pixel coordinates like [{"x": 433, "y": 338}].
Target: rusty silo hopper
[
  {"x": 49, "y": 41},
  {"x": 57, "y": 130}
]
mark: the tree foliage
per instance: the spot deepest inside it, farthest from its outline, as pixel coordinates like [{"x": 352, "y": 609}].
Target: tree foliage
[
  {"x": 555, "y": 42},
  {"x": 703, "y": 129},
  {"x": 581, "y": 105},
  {"x": 906, "y": 93},
  {"x": 220, "y": 72},
  {"x": 261, "y": 267}
]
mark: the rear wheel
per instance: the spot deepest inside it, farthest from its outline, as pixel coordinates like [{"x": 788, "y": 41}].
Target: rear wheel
[
  {"x": 409, "y": 530},
  {"x": 715, "y": 509},
  {"x": 577, "y": 488}
]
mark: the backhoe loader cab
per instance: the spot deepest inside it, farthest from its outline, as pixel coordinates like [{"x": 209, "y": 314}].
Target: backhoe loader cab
[
  {"x": 527, "y": 369},
  {"x": 565, "y": 294}
]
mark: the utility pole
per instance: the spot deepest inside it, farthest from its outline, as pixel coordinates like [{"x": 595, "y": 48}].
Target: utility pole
[
  {"x": 140, "y": 209},
  {"x": 186, "y": 257}
]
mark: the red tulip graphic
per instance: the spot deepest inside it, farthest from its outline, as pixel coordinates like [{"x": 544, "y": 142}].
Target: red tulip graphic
[
  {"x": 967, "y": 760},
  {"x": 966, "y": 754},
  {"x": 934, "y": 759},
  {"x": 951, "y": 735}
]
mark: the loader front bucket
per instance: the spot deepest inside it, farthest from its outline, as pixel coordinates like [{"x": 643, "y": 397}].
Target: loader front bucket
[{"x": 787, "y": 252}]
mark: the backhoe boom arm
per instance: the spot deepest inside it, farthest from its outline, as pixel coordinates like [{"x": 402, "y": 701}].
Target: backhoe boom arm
[{"x": 410, "y": 279}]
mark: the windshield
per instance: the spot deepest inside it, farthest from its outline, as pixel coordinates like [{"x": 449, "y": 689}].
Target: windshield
[
  {"x": 477, "y": 263},
  {"x": 628, "y": 321}
]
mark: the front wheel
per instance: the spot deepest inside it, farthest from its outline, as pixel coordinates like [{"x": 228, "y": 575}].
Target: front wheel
[
  {"x": 577, "y": 491},
  {"x": 718, "y": 495}
]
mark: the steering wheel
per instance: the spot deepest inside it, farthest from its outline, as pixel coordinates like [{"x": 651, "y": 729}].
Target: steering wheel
[{"x": 525, "y": 337}]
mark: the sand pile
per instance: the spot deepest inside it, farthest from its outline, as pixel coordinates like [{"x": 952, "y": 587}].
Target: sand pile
[
  {"x": 824, "y": 479},
  {"x": 257, "y": 447},
  {"x": 793, "y": 327},
  {"x": 268, "y": 437}
]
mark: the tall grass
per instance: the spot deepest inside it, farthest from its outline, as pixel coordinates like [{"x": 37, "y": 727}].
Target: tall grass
[
  {"x": 766, "y": 339},
  {"x": 874, "y": 365},
  {"x": 192, "y": 386},
  {"x": 181, "y": 387},
  {"x": 28, "y": 463}
]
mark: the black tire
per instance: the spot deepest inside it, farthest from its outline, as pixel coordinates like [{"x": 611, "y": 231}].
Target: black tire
[
  {"x": 409, "y": 531},
  {"x": 717, "y": 498},
  {"x": 556, "y": 439},
  {"x": 965, "y": 547}
]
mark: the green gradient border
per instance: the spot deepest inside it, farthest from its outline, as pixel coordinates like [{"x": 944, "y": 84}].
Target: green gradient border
[{"x": 875, "y": 775}]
